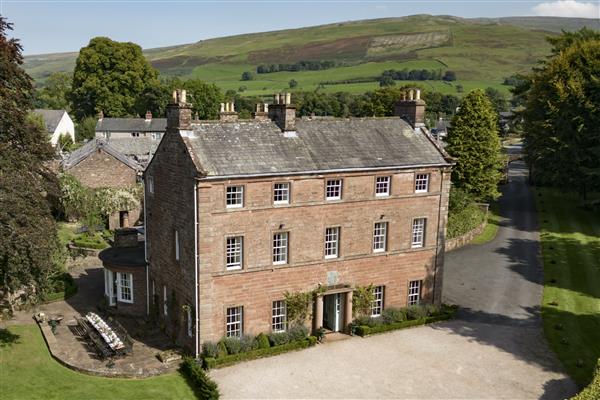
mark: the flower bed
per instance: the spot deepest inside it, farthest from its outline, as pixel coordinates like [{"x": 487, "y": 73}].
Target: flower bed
[
  {"x": 231, "y": 350},
  {"x": 400, "y": 318}
]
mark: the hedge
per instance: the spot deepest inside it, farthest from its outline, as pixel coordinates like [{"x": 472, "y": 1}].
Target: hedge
[
  {"x": 592, "y": 392},
  {"x": 210, "y": 362},
  {"x": 364, "y": 330},
  {"x": 204, "y": 388},
  {"x": 464, "y": 220}
]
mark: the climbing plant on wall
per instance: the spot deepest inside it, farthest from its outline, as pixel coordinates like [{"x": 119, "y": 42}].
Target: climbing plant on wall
[{"x": 362, "y": 301}]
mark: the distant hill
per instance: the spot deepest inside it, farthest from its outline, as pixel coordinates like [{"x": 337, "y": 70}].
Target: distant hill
[{"x": 481, "y": 51}]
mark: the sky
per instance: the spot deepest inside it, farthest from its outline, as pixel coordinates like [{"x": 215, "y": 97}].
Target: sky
[{"x": 51, "y": 26}]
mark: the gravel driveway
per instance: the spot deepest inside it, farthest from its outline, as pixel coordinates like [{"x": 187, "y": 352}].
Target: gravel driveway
[{"x": 494, "y": 350}]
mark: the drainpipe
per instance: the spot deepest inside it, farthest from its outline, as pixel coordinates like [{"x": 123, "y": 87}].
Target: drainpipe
[
  {"x": 196, "y": 256},
  {"x": 437, "y": 237},
  {"x": 146, "y": 254}
]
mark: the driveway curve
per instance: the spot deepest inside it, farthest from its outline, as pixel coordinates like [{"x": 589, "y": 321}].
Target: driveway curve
[{"x": 494, "y": 350}]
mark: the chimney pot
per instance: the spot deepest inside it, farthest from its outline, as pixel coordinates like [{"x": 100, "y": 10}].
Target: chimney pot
[
  {"x": 148, "y": 115},
  {"x": 183, "y": 96},
  {"x": 265, "y": 107},
  {"x": 288, "y": 98},
  {"x": 222, "y": 107},
  {"x": 418, "y": 91},
  {"x": 411, "y": 94}
]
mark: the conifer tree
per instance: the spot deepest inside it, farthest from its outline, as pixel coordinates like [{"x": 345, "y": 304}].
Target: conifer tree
[{"x": 474, "y": 142}]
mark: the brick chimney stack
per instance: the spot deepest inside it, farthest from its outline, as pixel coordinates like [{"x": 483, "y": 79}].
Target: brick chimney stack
[
  {"x": 148, "y": 116},
  {"x": 283, "y": 112},
  {"x": 179, "y": 112},
  {"x": 262, "y": 112},
  {"x": 227, "y": 113},
  {"x": 411, "y": 109}
]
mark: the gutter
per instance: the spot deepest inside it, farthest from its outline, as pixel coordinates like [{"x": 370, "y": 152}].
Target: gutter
[
  {"x": 196, "y": 285},
  {"x": 324, "y": 171}
]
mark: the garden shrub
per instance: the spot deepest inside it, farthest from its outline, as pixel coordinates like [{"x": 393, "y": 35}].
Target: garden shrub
[
  {"x": 247, "y": 343},
  {"x": 222, "y": 349},
  {"x": 210, "y": 349},
  {"x": 432, "y": 309},
  {"x": 279, "y": 338},
  {"x": 298, "y": 332},
  {"x": 232, "y": 344},
  {"x": 416, "y": 311},
  {"x": 464, "y": 214},
  {"x": 262, "y": 341},
  {"x": 391, "y": 315},
  {"x": 204, "y": 387}
]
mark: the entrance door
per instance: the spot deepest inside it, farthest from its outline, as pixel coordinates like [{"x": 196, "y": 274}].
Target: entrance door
[
  {"x": 110, "y": 287},
  {"x": 333, "y": 311}
]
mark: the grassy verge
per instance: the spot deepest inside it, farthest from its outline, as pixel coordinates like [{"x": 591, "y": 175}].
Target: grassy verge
[
  {"x": 29, "y": 372},
  {"x": 491, "y": 229},
  {"x": 570, "y": 238}
]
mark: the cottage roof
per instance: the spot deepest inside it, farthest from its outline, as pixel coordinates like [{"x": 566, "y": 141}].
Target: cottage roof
[
  {"x": 135, "y": 146},
  {"x": 92, "y": 146},
  {"x": 51, "y": 118},
  {"x": 131, "y": 125},
  {"x": 246, "y": 148}
]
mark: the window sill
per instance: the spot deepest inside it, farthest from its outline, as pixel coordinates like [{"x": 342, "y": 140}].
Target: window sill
[
  {"x": 233, "y": 268},
  {"x": 125, "y": 301},
  {"x": 234, "y": 207},
  {"x": 280, "y": 263},
  {"x": 331, "y": 257}
]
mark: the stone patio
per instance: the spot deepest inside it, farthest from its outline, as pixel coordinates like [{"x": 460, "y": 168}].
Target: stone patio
[{"x": 75, "y": 352}]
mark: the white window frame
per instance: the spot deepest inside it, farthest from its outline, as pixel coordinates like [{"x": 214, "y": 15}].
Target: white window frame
[
  {"x": 106, "y": 135},
  {"x": 107, "y": 282},
  {"x": 190, "y": 322},
  {"x": 281, "y": 193},
  {"x": 332, "y": 242},
  {"x": 280, "y": 248},
  {"x": 177, "y": 252},
  {"x": 234, "y": 192},
  {"x": 120, "y": 287},
  {"x": 418, "y": 232},
  {"x": 381, "y": 183},
  {"x": 380, "y": 237},
  {"x": 165, "y": 304},
  {"x": 234, "y": 321},
  {"x": 234, "y": 251},
  {"x": 421, "y": 183},
  {"x": 414, "y": 293},
  {"x": 150, "y": 182},
  {"x": 279, "y": 316},
  {"x": 156, "y": 135},
  {"x": 377, "y": 303},
  {"x": 332, "y": 186}
]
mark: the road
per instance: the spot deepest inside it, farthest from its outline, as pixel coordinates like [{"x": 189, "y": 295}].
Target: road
[{"x": 494, "y": 350}]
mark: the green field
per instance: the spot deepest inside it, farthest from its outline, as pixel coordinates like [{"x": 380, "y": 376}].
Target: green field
[
  {"x": 27, "y": 371},
  {"x": 481, "y": 51},
  {"x": 571, "y": 302}
]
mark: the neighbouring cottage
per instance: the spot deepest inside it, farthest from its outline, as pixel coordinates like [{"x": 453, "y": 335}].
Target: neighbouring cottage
[
  {"x": 98, "y": 164},
  {"x": 136, "y": 138},
  {"x": 240, "y": 211},
  {"x": 58, "y": 123}
]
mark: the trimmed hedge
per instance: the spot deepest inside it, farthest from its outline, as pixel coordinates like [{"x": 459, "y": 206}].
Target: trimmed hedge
[
  {"x": 592, "y": 392},
  {"x": 364, "y": 330},
  {"x": 210, "y": 362},
  {"x": 204, "y": 387}
]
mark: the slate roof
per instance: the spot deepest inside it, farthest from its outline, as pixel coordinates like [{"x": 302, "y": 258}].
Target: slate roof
[
  {"x": 51, "y": 118},
  {"x": 92, "y": 146},
  {"x": 131, "y": 125},
  {"x": 247, "y": 148},
  {"x": 135, "y": 146}
]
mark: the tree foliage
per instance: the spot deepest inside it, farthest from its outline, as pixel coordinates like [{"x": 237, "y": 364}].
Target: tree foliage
[
  {"x": 29, "y": 249},
  {"x": 110, "y": 76},
  {"x": 56, "y": 92},
  {"x": 474, "y": 142},
  {"x": 562, "y": 115},
  {"x": 85, "y": 129}
]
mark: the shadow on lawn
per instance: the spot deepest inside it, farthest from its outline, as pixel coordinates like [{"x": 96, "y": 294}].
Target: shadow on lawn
[{"x": 8, "y": 338}]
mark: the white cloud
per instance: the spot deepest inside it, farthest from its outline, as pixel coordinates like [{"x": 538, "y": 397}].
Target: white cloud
[{"x": 568, "y": 8}]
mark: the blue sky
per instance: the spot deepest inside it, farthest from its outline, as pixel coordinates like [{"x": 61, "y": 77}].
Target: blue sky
[{"x": 48, "y": 26}]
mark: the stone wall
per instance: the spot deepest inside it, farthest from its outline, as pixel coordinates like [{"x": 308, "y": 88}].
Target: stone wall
[
  {"x": 101, "y": 169},
  {"x": 463, "y": 240}
]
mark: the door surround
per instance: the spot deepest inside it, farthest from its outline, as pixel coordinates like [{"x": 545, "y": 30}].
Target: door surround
[{"x": 346, "y": 318}]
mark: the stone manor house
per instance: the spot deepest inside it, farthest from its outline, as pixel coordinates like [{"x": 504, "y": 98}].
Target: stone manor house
[{"x": 237, "y": 212}]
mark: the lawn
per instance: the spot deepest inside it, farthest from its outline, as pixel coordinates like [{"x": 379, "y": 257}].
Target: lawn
[
  {"x": 67, "y": 233},
  {"x": 29, "y": 372},
  {"x": 570, "y": 239},
  {"x": 491, "y": 229}
]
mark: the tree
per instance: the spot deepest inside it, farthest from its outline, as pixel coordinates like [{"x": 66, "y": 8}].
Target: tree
[
  {"x": 109, "y": 76},
  {"x": 154, "y": 98},
  {"x": 449, "y": 76},
  {"x": 205, "y": 98},
  {"x": 386, "y": 80},
  {"x": 29, "y": 249},
  {"x": 56, "y": 92},
  {"x": 293, "y": 83},
  {"x": 474, "y": 141},
  {"x": 85, "y": 129},
  {"x": 562, "y": 115},
  {"x": 247, "y": 76},
  {"x": 497, "y": 98}
]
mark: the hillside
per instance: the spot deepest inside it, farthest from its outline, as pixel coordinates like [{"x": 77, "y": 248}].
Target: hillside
[{"x": 481, "y": 51}]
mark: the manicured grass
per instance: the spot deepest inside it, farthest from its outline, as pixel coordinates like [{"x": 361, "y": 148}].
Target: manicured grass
[
  {"x": 491, "y": 229},
  {"x": 570, "y": 239},
  {"x": 67, "y": 233},
  {"x": 28, "y": 371}
]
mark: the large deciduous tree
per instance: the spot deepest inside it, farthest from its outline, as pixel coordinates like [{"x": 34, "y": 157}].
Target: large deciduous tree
[
  {"x": 28, "y": 240},
  {"x": 110, "y": 76},
  {"x": 562, "y": 115},
  {"x": 56, "y": 92},
  {"x": 475, "y": 143}
]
